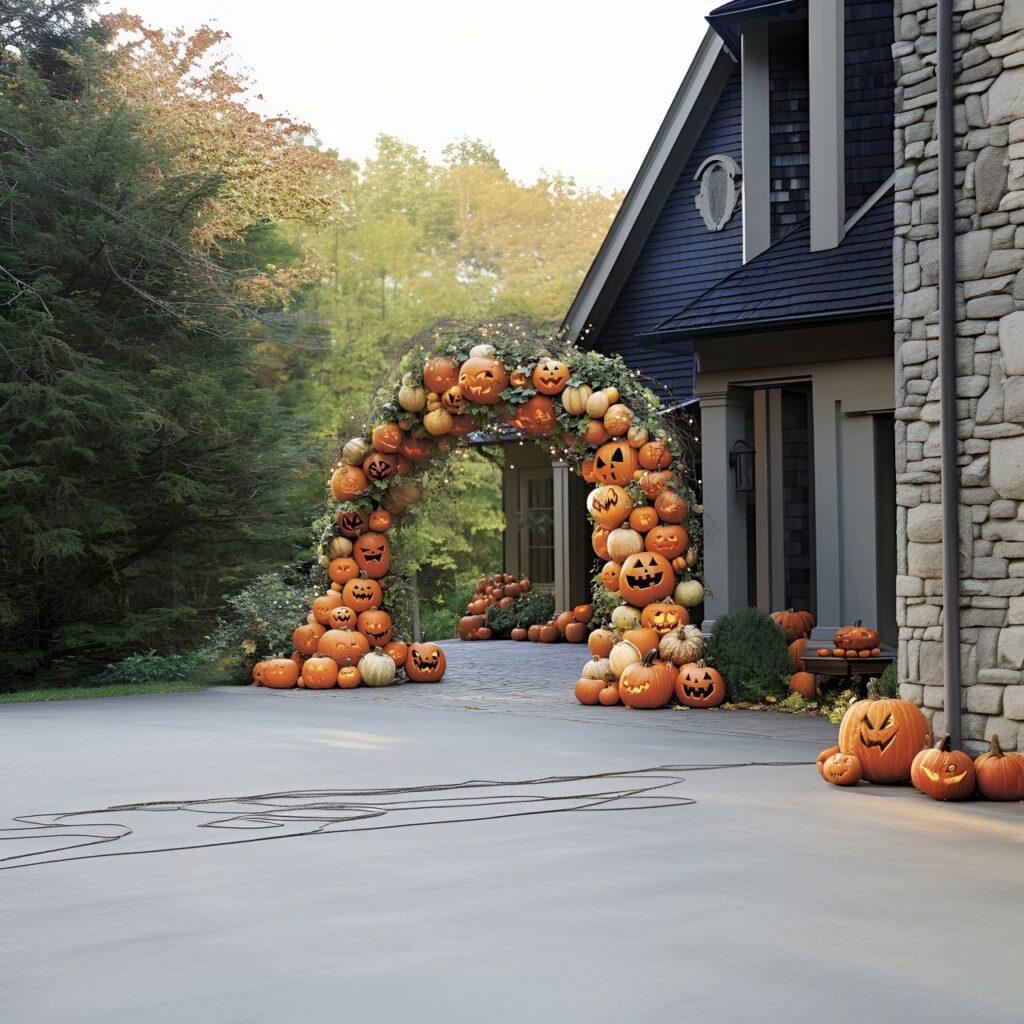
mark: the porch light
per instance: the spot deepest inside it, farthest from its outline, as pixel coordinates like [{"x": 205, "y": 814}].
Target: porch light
[{"x": 741, "y": 460}]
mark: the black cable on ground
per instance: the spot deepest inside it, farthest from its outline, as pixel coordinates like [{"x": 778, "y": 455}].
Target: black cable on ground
[{"x": 329, "y": 811}]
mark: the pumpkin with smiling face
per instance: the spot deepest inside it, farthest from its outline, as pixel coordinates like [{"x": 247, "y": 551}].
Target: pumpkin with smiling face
[
  {"x": 319, "y": 673},
  {"x": 943, "y": 773},
  {"x": 387, "y": 437},
  {"x": 647, "y": 684},
  {"x": 610, "y": 576},
  {"x": 885, "y": 734},
  {"x": 536, "y": 416},
  {"x": 550, "y": 376},
  {"x": 417, "y": 449},
  {"x": 345, "y": 646},
  {"x": 375, "y": 625},
  {"x": 699, "y": 686},
  {"x": 842, "y": 769},
  {"x": 425, "y": 663},
  {"x": 667, "y": 540},
  {"x": 482, "y": 380},
  {"x": 615, "y": 463},
  {"x": 347, "y": 482},
  {"x": 609, "y": 505},
  {"x": 646, "y": 577},
  {"x": 361, "y": 595},
  {"x": 663, "y": 618},
  {"x": 323, "y": 605},
  {"x": 452, "y": 401},
  {"x": 342, "y": 617},
  {"x": 372, "y": 554}
]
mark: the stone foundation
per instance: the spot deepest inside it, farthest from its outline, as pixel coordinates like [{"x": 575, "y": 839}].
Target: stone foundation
[{"x": 989, "y": 124}]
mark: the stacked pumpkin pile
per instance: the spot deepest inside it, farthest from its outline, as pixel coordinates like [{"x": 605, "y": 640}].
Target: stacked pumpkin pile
[
  {"x": 888, "y": 741},
  {"x": 570, "y": 626},
  {"x": 497, "y": 591}
]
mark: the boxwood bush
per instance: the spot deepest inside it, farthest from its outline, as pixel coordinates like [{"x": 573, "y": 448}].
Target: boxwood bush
[
  {"x": 530, "y": 608},
  {"x": 750, "y": 652}
]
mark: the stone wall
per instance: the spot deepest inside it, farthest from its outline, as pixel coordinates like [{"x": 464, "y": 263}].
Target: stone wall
[{"x": 989, "y": 124}]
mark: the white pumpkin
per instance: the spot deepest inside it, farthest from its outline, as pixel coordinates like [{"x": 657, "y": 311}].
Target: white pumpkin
[
  {"x": 355, "y": 451},
  {"x": 597, "y": 405},
  {"x": 340, "y": 547},
  {"x": 377, "y": 669},
  {"x": 682, "y": 645},
  {"x": 411, "y": 397},
  {"x": 689, "y": 593},
  {"x": 598, "y": 668},
  {"x": 483, "y": 352},
  {"x": 623, "y": 655},
  {"x": 574, "y": 400},
  {"x": 637, "y": 437},
  {"x": 625, "y": 616},
  {"x": 624, "y": 542}
]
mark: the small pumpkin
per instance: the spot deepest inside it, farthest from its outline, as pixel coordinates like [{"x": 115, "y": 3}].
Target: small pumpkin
[
  {"x": 647, "y": 684},
  {"x": 583, "y": 613},
  {"x": 617, "y": 420},
  {"x": 339, "y": 547},
  {"x": 637, "y": 436},
  {"x": 379, "y": 521},
  {"x": 625, "y": 616},
  {"x": 601, "y": 642},
  {"x": 855, "y": 637},
  {"x": 343, "y": 617},
  {"x": 623, "y": 542},
  {"x": 599, "y": 542},
  {"x": 611, "y": 574},
  {"x": 355, "y": 450},
  {"x": 655, "y": 483},
  {"x": 341, "y": 570},
  {"x": 683, "y": 645},
  {"x": 623, "y": 654},
  {"x": 699, "y": 686},
  {"x": 943, "y": 773},
  {"x": 550, "y": 376},
  {"x": 671, "y": 507},
  {"x": 411, "y": 396},
  {"x": 351, "y": 522},
  {"x": 609, "y": 695},
  {"x": 518, "y": 633},
  {"x": 597, "y": 405},
  {"x": 549, "y": 633},
  {"x": 322, "y": 606},
  {"x": 536, "y": 416},
  {"x": 440, "y": 373},
  {"x": 588, "y": 690},
  {"x": 643, "y": 638},
  {"x": 803, "y": 683},
  {"x": 688, "y": 593},
  {"x": 438, "y": 422},
  {"x": 417, "y": 449},
  {"x": 823, "y": 757},
  {"x": 655, "y": 455},
  {"x": 397, "y": 651},
  {"x": 595, "y": 434},
  {"x": 387, "y": 437},
  {"x": 669, "y": 541},
  {"x": 379, "y": 466},
  {"x": 348, "y": 676},
  {"x": 575, "y": 633},
  {"x": 574, "y": 400},
  {"x": 643, "y": 518},
  {"x": 999, "y": 776},
  {"x": 279, "y": 673},
  {"x": 306, "y": 638},
  {"x": 842, "y": 769},
  {"x": 426, "y": 663},
  {"x": 598, "y": 668}
]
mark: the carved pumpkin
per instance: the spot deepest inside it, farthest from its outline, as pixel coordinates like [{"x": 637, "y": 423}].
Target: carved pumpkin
[
  {"x": 341, "y": 570},
  {"x": 623, "y": 542},
  {"x": 387, "y": 437},
  {"x": 1000, "y": 776},
  {"x": 319, "y": 673},
  {"x": 615, "y": 463},
  {"x": 279, "y": 673},
  {"x": 380, "y": 521},
  {"x": 417, "y": 449},
  {"x": 663, "y": 618},
  {"x": 452, "y": 401},
  {"x": 306, "y": 638},
  {"x": 699, "y": 686},
  {"x": 372, "y": 553},
  {"x": 351, "y": 523},
  {"x": 377, "y": 669},
  {"x": 842, "y": 769},
  {"x": 854, "y": 638},
  {"x": 361, "y": 595},
  {"x": 647, "y": 684},
  {"x": 348, "y": 676},
  {"x": 343, "y": 617},
  {"x": 461, "y": 425},
  {"x": 646, "y": 577},
  {"x": 426, "y": 663},
  {"x": 587, "y": 690},
  {"x": 375, "y": 625},
  {"x": 885, "y": 734},
  {"x": 440, "y": 373},
  {"x": 803, "y": 683},
  {"x": 655, "y": 455},
  {"x": 322, "y": 606},
  {"x": 669, "y": 541},
  {"x": 823, "y": 757},
  {"x": 943, "y": 773},
  {"x": 482, "y": 380},
  {"x": 643, "y": 518},
  {"x": 587, "y": 471},
  {"x": 599, "y": 542},
  {"x": 610, "y": 505},
  {"x": 536, "y": 416},
  {"x": 550, "y": 376},
  {"x": 671, "y": 507},
  {"x": 610, "y": 576},
  {"x": 347, "y": 482},
  {"x": 343, "y": 645},
  {"x": 380, "y": 465},
  {"x": 683, "y": 645},
  {"x": 601, "y": 642},
  {"x": 793, "y": 624},
  {"x": 574, "y": 400}
]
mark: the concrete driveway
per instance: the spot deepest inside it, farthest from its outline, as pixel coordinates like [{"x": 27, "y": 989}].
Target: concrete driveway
[{"x": 772, "y": 897}]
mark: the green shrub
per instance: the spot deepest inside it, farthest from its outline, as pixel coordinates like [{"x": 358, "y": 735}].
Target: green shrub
[
  {"x": 437, "y": 623},
  {"x": 529, "y": 609},
  {"x": 750, "y": 652},
  {"x": 149, "y": 668},
  {"x": 888, "y": 681}
]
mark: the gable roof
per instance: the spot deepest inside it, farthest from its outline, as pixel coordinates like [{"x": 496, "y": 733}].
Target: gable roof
[
  {"x": 728, "y": 19},
  {"x": 705, "y": 78}
]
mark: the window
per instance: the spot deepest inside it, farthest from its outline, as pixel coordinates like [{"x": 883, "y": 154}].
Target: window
[{"x": 537, "y": 526}]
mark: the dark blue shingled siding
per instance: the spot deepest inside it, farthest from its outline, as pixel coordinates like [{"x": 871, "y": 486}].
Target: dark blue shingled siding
[
  {"x": 870, "y": 92},
  {"x": 680, "y": 259},
  {"x": 789, "y": 132}
]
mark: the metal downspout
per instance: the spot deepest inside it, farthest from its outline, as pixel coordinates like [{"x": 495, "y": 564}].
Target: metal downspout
[{"x": 947, "y": 376}]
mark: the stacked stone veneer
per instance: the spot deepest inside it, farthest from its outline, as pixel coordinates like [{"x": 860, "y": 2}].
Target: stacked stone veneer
[{"x": 989, "y": 125}]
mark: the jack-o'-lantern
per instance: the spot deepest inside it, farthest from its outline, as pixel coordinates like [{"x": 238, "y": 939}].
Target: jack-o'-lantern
[
  {"x": 426, "y": 663},
  {"x": 643, "y": 518},
  {"x": 397, "y": 651},
  {"x": 654, "y": 483},
  {"x": 279, "y": 673},
  {"x": 648, "y": 683},
  {"x": 699, "y": 686},
  {"x": 943, "y": 773},
  {"x": 347, "y": 482},
  {"x": 823, "y": 757},
  {"x": 663, "y": 617},
  {"x": 343, "y": 645},
  {"x": 646, "y": 577},
  {"x": 306, "y": 638},
  {"x": 842, "y": 769},
  {"x": 518, "y": 378},
  {"x": 655, "y": 455},
  {"x": 348, "y": 675},
  {"x": 440, "y": 373},
  {"x": 387, "y": 437},
  {"x": 587, "y": 471},
  {"x": 1000, "y": 776},
  {"x": 666, "y": 540},
  {"x": 885, "y": 734},
  {"x": 361, "y": 595},
  {"x": 351, "y": 523},
  {"x": 615, "y": 463},
  {"x": 610, "y": 576},
  {"x": 372, "y": 553},
  {"x": 609, "y": 505},
  {"x": 341, "y": 570},
  {"x": 417, "y": 449},
  {"x": 380, "y": 520},
  {"x": 461, "y": 425},
  {"x": 536, "y": 416},
  {"x": 855, "y": 637},
  {"x": 453, "y": 401},
  {"x": 671, "y": 507},
  {"x": 404, "y": 466},
  {"x": 322, "y": 606},
  {"x": 482, "y": 380},
  {"x": 342, "y": 617},
  {"x": 375, "y": 625},
  {"x": 550, "y": 376},
  {"x": 380, "y": 465},
  {"x": 599, "y": 542},
  {"x": 319, "y": 673}
]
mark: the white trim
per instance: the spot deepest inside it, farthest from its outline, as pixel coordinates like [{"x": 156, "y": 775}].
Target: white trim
[
  {"x": 827, "y": 65},
  {"x": 757, "y": 196},
  {"x": 689, "y": 110},
  {"x": 870, "y": 201}
]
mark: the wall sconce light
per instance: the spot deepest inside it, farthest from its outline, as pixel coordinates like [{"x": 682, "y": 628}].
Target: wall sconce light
[{"x": 741, "y": 461}]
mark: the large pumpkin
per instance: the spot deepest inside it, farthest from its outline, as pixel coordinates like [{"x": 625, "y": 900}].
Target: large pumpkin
[
  {"x": 646, "y": 577},
  {"x": 380, "y": 465},
  {"x": 440, "y": 373},
  {"x": 347, "y": 482},
  {"x": 682, "y": 646},
  {"x": 885, "y": 734},
  {"x": 375, "y": 625},
  {"x": 943, "y": 773},
  {"x": 647, "y": 684},
  {"x": 610, "y": 505},
  {"x": 425, "y": 663},
  {"x": 377, "y": 669},
  {"x": 615, "y": 463},
  {"x": 855, "y": 637},
  {"x": 550, "y": 376},
  {"x": 279, "y": 673},
  {"x": 793, "y": 624},
  {"x": 699, "y": 686},
  {"x": 343, "y": 645},
  {"x": 1000, "y": 776},
  {"x": 372, "y": 554},
  {"x": 306, "y": 638},
  {"x": 482, "y": 380},
  {"x": 319, "y": 673}
]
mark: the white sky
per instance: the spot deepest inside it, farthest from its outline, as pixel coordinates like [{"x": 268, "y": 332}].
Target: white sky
[{"x": 576, "y": 86}]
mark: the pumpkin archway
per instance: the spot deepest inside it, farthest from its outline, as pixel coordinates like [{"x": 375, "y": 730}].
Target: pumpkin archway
[{"x": 457, "y": 382}]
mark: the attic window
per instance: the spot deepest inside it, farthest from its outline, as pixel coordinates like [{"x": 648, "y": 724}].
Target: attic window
[{"x": 718, "y": 193}]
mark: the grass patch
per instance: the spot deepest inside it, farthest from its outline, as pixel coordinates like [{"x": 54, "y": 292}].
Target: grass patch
[{"x": 110, "y": 690}]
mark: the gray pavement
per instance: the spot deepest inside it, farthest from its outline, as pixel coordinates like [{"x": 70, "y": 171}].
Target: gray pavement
[{"x": 772, "y": 897}]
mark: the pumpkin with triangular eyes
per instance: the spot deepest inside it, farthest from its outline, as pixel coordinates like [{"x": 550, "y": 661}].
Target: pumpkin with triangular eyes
[
  {"x": 425, "y": 663},
  {"x": 351, "y": 523},
  {"x": 345, "y": 646},
  {"x": 453, "y": 401},
  {"x": 886, "y": 734},
  {"x": 440, "y": 373},
  {"x": 550, "y": 376},
  {"x": 482, "y": 380},
  {"x": 319, "y": 673},
  {"x": 646, "y": 577},
  {"x": 667, "y": 540},
  {"x": 342, "y": 617},
  {"x": 375, "y": 625},
  {"x": 380, "y": 465},
  {"x": 700, "y": 686},
  {"x": 279, "y": 673},
  {"x": 648, "y": 683},
  {"x": 372, "y": 554},
  {"x": 361, "y": 594},
  {"x": 615, "y": 463},
  {"x": 609, "y": 505}
]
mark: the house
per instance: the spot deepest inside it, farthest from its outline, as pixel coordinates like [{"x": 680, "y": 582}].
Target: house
[{"x": 775, "y": 267}]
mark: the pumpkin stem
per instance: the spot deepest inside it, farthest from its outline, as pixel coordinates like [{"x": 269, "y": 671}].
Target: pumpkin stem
[
  {"x": 995, "y": 749},
  {"x": 649, "y": 657},
  {"x": 873, "y": 693},
  {"x": 945, "y": 744}
]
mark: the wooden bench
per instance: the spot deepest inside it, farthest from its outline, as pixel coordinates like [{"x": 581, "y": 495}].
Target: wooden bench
[{"x": 858, "y": 670}]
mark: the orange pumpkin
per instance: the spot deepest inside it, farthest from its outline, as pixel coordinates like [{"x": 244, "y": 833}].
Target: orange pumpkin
[
  {"x": 601, "y": 642},
  {"x": 361, "y": 595},
  {"x": 611, "y": 575},
  {"x": 482, "y": 380},
  {"x": 380, "y": 521},
  {"x": 647, "y": 684},
  {"x": 655, "y": 483},
  {"x": 615, "y": 463},
  {"x": 322, "y": 607},
  {"x": 669, "y": 541},
  {"x": 536, "y": 416},
  {"x": 609, "y": 505},
  {"x": 599, "y": 542},
  {"x": 885, "y": 734},
  {"x": 342, "y": 617},
  {"x": 643, "y": 518},
  {"x": 663, "y": 618},
  {"x": 671, "y": 507},
  {"x": 794, "y": 624},
  {"x": 587, "y": 691},
  {"x": 803, "y": 683},
  {"x": 341, "y": 570},
  {"x": 440, "y": 373},
  {"x": 797, "y": 653},
  {"x": 426, "y": 663},
  {"x": 397, "y": 651},
  {"x": 306, "y": 638},
  {"x": 279, "y": 673},
  {"x": 380, "y": 465},
  {"x": 587, "y": 471},
  {"x": 643, "y": 638},
  {"x": 343, "y": 645},
  {"x": 699, "y": 686},
  {"x": 617, "y": 420},
  {"x": 655, "y": 455},
  {"x": 375, "y": 625},
  {"x": 583, "y": 613},
  {"x": 349, "y": 676},
  {"x": 594, "y": 433},
  {"x": 646, "y": 577},
  {"x": 855, "y": 637},
  {"x": 347, "y": 482},
  {"x": 943, "y": 773},
  {"x": 842, "y": 769},
  {"x": 452, "y": 401},
  {"x": 387, "y": 437},
  {"x": 1000, "y": 776},
  {"x": 417, "y": 449},
  {"x": 372, "y": 554},
  {"x": 351, "y": 523},
  {"x": 550, "y": 376},
  {"x": 319, "y": 673}
]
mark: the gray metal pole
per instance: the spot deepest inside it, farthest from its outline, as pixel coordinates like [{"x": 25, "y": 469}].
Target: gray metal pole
[{"x": 947, "y": 375}]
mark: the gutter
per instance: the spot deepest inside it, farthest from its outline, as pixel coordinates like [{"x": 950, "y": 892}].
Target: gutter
[{"x": 947, "y": 378}]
